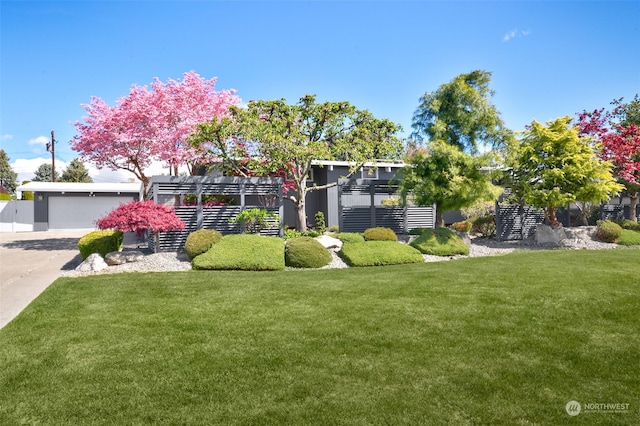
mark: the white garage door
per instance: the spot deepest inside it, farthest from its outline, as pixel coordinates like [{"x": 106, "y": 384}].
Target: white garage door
[{"x": 80, "y": 212}]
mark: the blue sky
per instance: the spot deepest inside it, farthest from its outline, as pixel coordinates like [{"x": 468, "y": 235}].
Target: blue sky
[{"x": 547, "y": 58}]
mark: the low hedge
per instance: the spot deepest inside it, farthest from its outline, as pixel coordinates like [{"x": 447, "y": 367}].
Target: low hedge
[
  {"x": 440, "y": 242},
  {"x": 349, "y": 237},
  {"x": 305, "y": 252},
  {"x": 629, "y": 224},
  {"x": 249, "y": 252},
  {"x": 629, "y": 238},
  {"x": 380, "y": 234},
  {"x": 378, "y": 253},
  {"x": 201, "y": 241},
  {"x": 101, "y": 242},
  {"x": 608, "y": 231}
]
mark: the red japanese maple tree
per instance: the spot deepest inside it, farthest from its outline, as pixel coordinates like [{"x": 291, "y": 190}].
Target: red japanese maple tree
[
  {"x": 140, "y": 216},
  {"x": 150, "y": 125},
  {"x": 619, "y": 133}
]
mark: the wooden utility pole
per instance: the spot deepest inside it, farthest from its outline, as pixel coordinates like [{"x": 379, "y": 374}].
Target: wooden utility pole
[{"x": 51, "y": 147}]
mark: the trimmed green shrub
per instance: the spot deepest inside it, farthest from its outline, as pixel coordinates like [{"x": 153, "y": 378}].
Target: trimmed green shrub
[
  {"x": 629, "y": 238},
  {"x": 101, "y": 242},
  {"x": 378, "y": 253},
  {"x": 305, "y": 252},
  {"x": 608, "y": 231},
  {"x": 334, "y": 228},
  {"x": 380, "y": 234},
  {"x": 349, "y": 237},
  {"x": 201, "y": 241},
  {"x": 440, "y": 242},
  {"x": 4, "y": 196},
  {"x": 249, "y": 252},
  {"x": 628, "y": 224}
]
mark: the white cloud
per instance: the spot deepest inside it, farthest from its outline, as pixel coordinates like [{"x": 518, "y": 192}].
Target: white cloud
[
  {"x": 26, "y": 168},
  {"x": 508, "y": 36},
  {"x": 40, "y": 140},
  {"x": 515, "y": 33},
  {"x": 6, "y": 137}
]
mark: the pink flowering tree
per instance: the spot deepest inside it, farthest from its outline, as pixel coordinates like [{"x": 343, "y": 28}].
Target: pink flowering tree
[
  {"x": 140, "y": 216},
  {"x": 619, "y": 133},
  {"x": 150, "y": 124}
]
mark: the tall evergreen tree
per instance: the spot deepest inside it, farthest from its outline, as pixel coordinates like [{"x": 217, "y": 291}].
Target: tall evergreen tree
[
  {"x": 76, "y": 172},
  {"x": 8, "y": 178},
  {"x": 461, "y": 114},
  {"x": 43, "y": 174}
]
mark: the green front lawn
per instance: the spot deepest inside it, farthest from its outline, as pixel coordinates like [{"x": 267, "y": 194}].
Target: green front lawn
[{"x": 505, "y": 340}]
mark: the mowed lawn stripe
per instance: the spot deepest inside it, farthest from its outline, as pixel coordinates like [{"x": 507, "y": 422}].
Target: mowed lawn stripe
[{"x": 501, "y": 340}]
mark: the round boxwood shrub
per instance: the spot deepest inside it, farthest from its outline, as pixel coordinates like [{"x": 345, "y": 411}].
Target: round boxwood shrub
[
  {"x": 608, "y": 231},
  {"x": 101, "y": 242},
  {"x": 440, "y": 242},
  {"x": 305, "y": 252},
  {"x": 200, "y": 241},
  {"x": 380, "y": 234}
]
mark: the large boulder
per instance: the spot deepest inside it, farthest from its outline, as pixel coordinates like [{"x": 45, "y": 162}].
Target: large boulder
[
  {"x": 93, "y": 263},
  {"x": 121, "y": 257},
  {"x": 546, "y": 235},
  {"x": 329, "y": 243}
]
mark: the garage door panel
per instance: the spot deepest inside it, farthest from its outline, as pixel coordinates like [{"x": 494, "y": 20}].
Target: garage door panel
[{"x": 80, "y": 212}]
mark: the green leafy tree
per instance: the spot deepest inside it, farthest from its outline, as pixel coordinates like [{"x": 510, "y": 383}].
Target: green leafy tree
[
  {"x": 461, "y": 113},
  {"x": 43, "y": 174},
  {"x": 553, "y": 167},
  {"x": 76, "y": 172},
  {"x": 277, "y": 139},
  {"x": 443, "y": 174},
  {"x": 8, "y": 178}
]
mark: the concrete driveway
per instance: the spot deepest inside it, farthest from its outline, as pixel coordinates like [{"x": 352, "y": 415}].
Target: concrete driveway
[{"x": 29, "y": 262}]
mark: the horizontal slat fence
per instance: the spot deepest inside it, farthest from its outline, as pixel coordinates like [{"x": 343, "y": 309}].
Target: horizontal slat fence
[{"x": 360, "y": 207}]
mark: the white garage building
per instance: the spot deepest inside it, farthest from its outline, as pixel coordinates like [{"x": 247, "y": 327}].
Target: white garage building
[{"x": 67, "y": 205}]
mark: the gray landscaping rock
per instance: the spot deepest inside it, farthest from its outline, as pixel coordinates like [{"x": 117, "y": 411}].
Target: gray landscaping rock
[
  {"x": 545, "y": 234},
  {"x": 329, "y": 242},
  {"x": 121, "y": 257},
  {"x": 93, "y": 263}
]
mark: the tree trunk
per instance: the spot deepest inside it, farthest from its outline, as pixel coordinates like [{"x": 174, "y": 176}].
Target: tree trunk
[
  {"x": 439, "y": 217},
  {"x": 552, "y": 219},
  {"x": 633, "y": 203},
  {"x": 301, "y": 215}
]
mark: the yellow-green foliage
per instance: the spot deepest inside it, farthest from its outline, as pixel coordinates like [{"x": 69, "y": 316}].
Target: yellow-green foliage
[
  {"x": 4, "y": 196},
  {"x": 101, "y": 242},
  {"x": 200, "y": 241},
  {"x": 440, "y": 242},
  {"x": 380, "y": 234},
  {"x": 608, "y": 231},
  {"x": 305, "y": 252}
]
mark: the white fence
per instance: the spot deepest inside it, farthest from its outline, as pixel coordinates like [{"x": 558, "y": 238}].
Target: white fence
[{"x": 16, "y": 216}]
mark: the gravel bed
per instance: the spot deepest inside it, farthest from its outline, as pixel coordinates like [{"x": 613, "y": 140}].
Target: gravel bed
[{"x": 170, "y": 261}]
